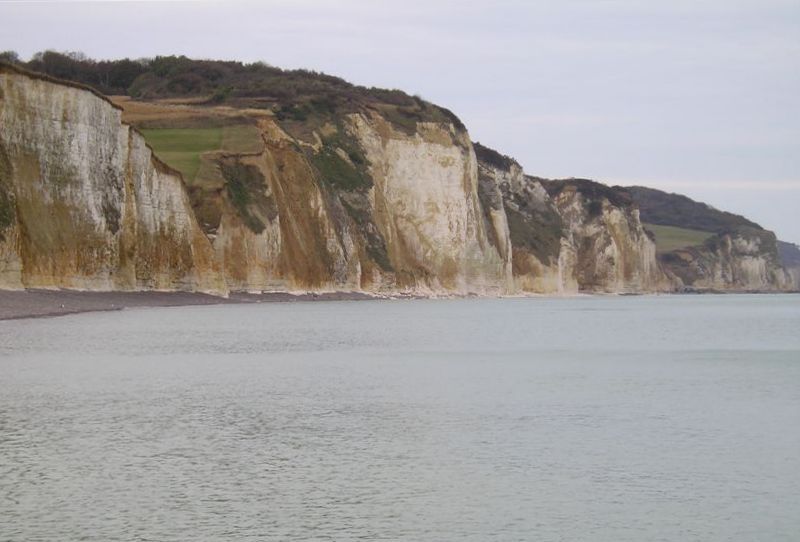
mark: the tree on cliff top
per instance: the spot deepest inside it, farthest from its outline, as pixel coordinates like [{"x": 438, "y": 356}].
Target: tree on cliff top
[{"x": 293, "y": 94}]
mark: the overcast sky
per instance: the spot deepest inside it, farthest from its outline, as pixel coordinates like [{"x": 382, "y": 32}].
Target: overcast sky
[{"x": 694, "y": 96}]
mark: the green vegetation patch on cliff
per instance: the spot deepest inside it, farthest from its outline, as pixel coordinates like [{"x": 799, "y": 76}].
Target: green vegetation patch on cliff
[
  {"x": 7, "y": 214},
  {"x": 538, "y": 231},
  {"x": 358, "y": 207},
  {"x": 246, "y": 188},
  {"x": 7, "y": 207},
  {"x": 533, "y": 224},
  {"x": 670, "y": 238},
  {"x": 344, "y": 168},
  {"x": 193, "y": 152},
  {"x": 338, "y": 171},
  {"x": 341, "y": 162}
]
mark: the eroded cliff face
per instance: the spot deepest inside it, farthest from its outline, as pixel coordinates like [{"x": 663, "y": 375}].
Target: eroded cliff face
[
  {"x": 743, "y": 260},
  {"x": 794, "y": 278},
  {"x": 425, "y": 205},
  {"x": 612, "y": 250},
  {"x": 739, "y": 255},
  {"x": 526, "y": 224},
  {"x": 301, "y": 214},
  {"x": 84, "y": 203},
  {"x": 278, "y": 229},
  {"x": 568, "y": 236},
  {"x": 362, "y": 201}
]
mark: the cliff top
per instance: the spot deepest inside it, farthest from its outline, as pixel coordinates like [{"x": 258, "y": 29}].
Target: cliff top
[
  {"x": 493, "y": 158},
  {"x": 6, "y": 67},
  {"x": 591, "y": 190},
  {"x": 658, "y": 207},
  {"x": 293, "y": 95}
]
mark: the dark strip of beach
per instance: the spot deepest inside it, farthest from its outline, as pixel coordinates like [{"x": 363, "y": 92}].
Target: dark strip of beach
[{"x": 16, "y": 304}]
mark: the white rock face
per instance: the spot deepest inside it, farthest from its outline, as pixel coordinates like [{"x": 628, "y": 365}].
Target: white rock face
[
  {"x": 84, "y": 204},
  {"x": 426, "y": 206},
  {"x": 742, "y": 261},
  {"x": 565, "y": 244},
  {"x": 793, "y": 278},
  {"x": 614, "y": 254},
  {"x": 92, "y": 209},
  {"x": 542, "y": 261}
]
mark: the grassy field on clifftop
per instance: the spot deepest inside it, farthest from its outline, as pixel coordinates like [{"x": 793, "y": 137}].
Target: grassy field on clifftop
[
  {"x": 181, "y": 147},
  {"x": 670, "y": 238}
]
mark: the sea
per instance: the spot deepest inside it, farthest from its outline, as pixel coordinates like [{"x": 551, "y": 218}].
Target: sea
[{"x": 588, "y": 418}]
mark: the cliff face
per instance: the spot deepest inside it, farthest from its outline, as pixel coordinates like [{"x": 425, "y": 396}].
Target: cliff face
[
  {"x": 789, "y": 254},
  {"x": 739, "y": 255},
  {"x": 613, "y": 251},
  {"x": 569, "y": 236},
  {"x": 87, "y": 206},
  {"x": 278, "y": 229},
  {"x": 743, "y": 260},
  {"x": 425, "y": 205},
  {"x": 398, "y": 213},
  {"x": 525, "y": 224},
  {"x": 84, "y": 203},
  {"x": 381, "y": 198}
]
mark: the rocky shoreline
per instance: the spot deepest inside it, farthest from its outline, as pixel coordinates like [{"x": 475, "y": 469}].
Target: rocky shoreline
[
  {"x": 37, "y": 303},
  {"x": 34, "y": 303}
]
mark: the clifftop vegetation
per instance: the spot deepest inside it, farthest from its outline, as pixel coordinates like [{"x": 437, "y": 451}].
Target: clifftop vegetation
[
  {"x": 492, "y": 157},
  {"x": 593, "y": 191},
  {"x": 294, "y": 95},
  {"x": 662, "y": 208}
]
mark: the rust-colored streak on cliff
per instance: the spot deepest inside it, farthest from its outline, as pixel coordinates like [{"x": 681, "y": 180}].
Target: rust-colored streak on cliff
[
  {"x": 360, "y": 199},
  {"x": 92, "y": 208}
]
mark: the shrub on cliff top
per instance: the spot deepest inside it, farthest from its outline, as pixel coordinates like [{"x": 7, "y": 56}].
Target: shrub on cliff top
[
  {"x": 492, "y": 157},
  {"x": 298, "y": 94}
]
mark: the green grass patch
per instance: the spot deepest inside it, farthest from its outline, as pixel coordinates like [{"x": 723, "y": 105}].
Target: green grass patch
[
  {"x": 208, "y": 178},
  {"x": 669, "y": 238},
  {"x": 180, "y": 148}
]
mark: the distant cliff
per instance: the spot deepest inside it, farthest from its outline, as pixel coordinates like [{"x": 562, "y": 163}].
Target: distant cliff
[
  {"x": 737, "y": 254},
  {"x": 363, "y": 190},
  {"x": 790, "y": 258},
  {"x": 567, "y": 236}
]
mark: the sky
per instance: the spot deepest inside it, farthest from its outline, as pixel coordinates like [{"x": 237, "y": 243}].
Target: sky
[{"x": 700, "y": 97}]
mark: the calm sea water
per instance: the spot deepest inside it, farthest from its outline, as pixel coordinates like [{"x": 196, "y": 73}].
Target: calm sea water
[{"x": 583, "y": 419}]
